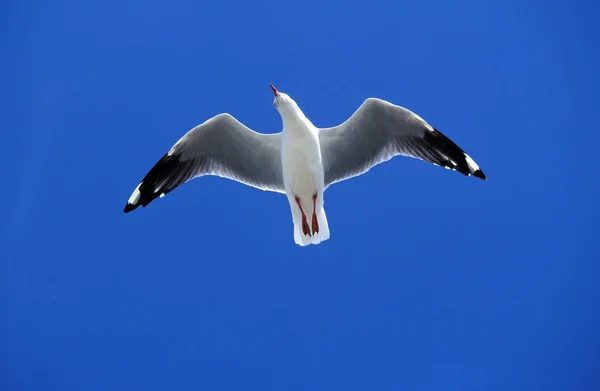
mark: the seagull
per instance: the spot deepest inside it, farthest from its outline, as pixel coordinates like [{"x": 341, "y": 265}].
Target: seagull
[{"x": 301, "y": 161}]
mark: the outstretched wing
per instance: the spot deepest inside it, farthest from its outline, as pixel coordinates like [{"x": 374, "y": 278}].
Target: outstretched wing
[
  {"x": 380, "y": 130},
  {"x": 221, "y": 146}
]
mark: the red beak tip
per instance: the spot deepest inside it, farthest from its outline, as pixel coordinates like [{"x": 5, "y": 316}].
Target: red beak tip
[{"x": 274, "y": 89}]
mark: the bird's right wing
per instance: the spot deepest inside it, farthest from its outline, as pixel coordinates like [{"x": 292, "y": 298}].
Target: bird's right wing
[
  {"x": 221, "y": 146},
  {"x": 380, "y": 130}
]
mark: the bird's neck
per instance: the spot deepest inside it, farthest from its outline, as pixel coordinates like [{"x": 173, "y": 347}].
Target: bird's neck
[{"x": 295, "y": 122}]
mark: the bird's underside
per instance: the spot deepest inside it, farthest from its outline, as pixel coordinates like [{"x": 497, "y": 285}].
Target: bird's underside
[{"x": 376, "y": 132}]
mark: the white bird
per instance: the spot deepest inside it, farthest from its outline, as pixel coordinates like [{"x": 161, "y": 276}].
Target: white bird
[{"x": 302, "y": 160}]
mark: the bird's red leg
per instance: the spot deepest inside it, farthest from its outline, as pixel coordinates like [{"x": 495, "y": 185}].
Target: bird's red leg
[
  {"x": 305, "y": 227},
  {"x": 315, "y": 223}
]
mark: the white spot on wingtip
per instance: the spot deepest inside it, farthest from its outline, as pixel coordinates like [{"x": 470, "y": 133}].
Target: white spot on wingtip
[
  {"x": 471, "y": 163},
  {"x": 162, "y": 195},
  {"x": 135, "y": 196}
]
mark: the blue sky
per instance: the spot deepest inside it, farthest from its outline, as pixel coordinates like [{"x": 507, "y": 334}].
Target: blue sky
[{"x": 430, "y": 281}]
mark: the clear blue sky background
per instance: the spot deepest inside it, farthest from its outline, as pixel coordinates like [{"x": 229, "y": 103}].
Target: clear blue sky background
[{"x": 430, "y": 281}]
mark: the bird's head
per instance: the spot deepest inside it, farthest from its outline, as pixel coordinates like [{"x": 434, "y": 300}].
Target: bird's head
[{"x": 284, "y": 104}]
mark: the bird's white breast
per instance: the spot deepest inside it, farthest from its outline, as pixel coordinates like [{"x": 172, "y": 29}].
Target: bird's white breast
[{"x": 301, "y": 160}]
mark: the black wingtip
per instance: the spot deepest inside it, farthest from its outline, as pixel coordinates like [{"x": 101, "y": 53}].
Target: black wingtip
[
  {"x": 169, "y": 172},
  {"x": 458, "y": 159},
  {"x": 129, "y": 207},
  {"x": 479, "y": 174}
]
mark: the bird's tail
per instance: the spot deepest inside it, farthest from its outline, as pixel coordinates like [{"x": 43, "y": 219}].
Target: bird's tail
[{"x": 317, "y": 235}]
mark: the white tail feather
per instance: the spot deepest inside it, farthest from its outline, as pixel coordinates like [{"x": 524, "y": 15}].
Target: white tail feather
[{"x": 321, "y": 236}]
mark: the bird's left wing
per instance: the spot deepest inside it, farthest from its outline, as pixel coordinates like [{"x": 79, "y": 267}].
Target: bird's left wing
[
  {"x": 221, "y": 146},
  {"x": 380, "y": 130}
]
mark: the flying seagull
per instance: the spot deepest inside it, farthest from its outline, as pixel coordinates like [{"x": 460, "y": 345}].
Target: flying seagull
[{"x": 302, "y": 160}]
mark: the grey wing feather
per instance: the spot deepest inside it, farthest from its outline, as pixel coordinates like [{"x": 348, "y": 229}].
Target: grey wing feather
[
  {"x": 221, "y": 146},
  {"x": 380, "y": 130}
]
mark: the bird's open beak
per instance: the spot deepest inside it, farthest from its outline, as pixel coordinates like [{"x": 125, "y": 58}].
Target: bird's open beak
[{"x": 274, "y": 90}]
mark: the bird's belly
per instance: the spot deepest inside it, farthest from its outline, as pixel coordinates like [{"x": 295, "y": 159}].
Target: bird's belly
[
  {"x": 302, "y": 180},
  {"x": 302, "y": 168}
]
